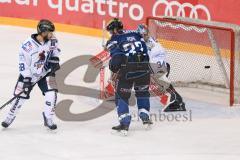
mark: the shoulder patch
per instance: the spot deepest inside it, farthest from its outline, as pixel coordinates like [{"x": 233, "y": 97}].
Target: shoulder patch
[{"x": 27, "y": 46}]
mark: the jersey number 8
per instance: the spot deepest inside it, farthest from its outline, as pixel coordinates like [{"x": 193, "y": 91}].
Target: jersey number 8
[{"x": 21, "y": 67}]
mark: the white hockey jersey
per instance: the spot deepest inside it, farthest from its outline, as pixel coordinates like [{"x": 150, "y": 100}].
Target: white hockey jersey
[
  {"x": 156, "y": 52},
  {"x": 157, "y": 56},
  {"x": 33, "y": 56}
]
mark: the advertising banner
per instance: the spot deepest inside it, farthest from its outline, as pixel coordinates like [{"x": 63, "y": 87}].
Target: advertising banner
[{"x": 91, "y": 13}]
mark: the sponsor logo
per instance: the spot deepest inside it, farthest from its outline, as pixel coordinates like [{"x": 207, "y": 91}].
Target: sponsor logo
[
  {"x": 136, "y": 11},
  {"x": 174, "y": 8}
]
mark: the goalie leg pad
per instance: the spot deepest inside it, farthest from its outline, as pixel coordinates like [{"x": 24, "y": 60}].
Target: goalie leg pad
[
  {"x": 162, "y": 81},
  {"x": 175, "y": 101}
]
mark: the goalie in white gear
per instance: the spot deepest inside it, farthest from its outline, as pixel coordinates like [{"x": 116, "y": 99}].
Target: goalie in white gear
[
  {"x": 38, "y": 59},
  {"x": 161, "y": 69}
]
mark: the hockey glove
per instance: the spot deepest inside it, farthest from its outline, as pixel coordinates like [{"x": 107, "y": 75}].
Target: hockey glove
[
  {"x": 116, "y": 62},
  {"x": 27, "y": 85},
  {"x": 53, "y": 64}
]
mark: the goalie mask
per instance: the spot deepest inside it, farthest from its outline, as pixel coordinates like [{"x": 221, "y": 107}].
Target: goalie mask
[{"x": 143, "y": 30}]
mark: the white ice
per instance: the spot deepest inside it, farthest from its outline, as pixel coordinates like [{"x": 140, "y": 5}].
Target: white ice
[{"x": 213, "y": 133}]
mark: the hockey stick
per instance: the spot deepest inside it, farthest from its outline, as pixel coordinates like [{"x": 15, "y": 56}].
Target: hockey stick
[
  {"x": 10, "y": 101},
  {"x": 16, "y": 96},
  {"x": 104, "y": 34}
]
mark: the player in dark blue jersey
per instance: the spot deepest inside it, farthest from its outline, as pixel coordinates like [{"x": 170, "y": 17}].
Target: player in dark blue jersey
[{"x": 130, "y": 60}]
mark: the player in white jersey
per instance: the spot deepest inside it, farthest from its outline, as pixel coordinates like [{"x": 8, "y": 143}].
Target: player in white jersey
[
  {"x": 161, "y": 69},
  {"x": 38, "y": 60}
]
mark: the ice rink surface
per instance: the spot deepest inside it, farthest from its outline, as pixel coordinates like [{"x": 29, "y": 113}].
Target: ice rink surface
[{"x": 212, "y": 133}]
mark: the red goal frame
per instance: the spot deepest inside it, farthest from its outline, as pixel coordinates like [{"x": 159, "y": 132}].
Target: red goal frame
[{"x": 232, "y": 48}]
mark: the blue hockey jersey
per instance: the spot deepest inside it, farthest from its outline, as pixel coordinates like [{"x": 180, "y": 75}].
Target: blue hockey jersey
[{"x": 127, "y": 43}]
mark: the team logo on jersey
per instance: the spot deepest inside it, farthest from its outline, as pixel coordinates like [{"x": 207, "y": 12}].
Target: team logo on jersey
[
  {"x": 41, "y": 60},
  {"x": 27, "y": 46},
  {"x": 42, "y": 56}
]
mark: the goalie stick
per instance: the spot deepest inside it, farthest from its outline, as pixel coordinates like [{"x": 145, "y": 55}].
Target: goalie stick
[{"x": 100, "y": 60}]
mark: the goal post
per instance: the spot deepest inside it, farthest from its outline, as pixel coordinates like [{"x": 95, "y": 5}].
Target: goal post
[{"x": 201, "y": 53}]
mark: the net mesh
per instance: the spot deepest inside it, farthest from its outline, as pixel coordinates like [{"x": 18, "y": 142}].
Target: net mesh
[{"x": 198, "y": 54}]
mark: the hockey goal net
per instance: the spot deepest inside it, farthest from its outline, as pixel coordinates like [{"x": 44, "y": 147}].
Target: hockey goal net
[{"x": 201, "y": 53}]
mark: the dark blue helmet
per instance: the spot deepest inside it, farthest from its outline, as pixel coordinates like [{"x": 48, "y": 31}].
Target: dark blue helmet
[{"x": 114, "y": 24}]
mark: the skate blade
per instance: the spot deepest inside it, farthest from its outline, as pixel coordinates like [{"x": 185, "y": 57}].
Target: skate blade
[
  {"x": 179, "y": 110},
  {"x": 4, "y": 129},
  {"x": 124, "y": 132},
  {"x": 121, "y": 133},
  {"x": 167, "y": 111},
  {"x": 147, "y": 127},
  {"x": 50, "y": 130}
]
